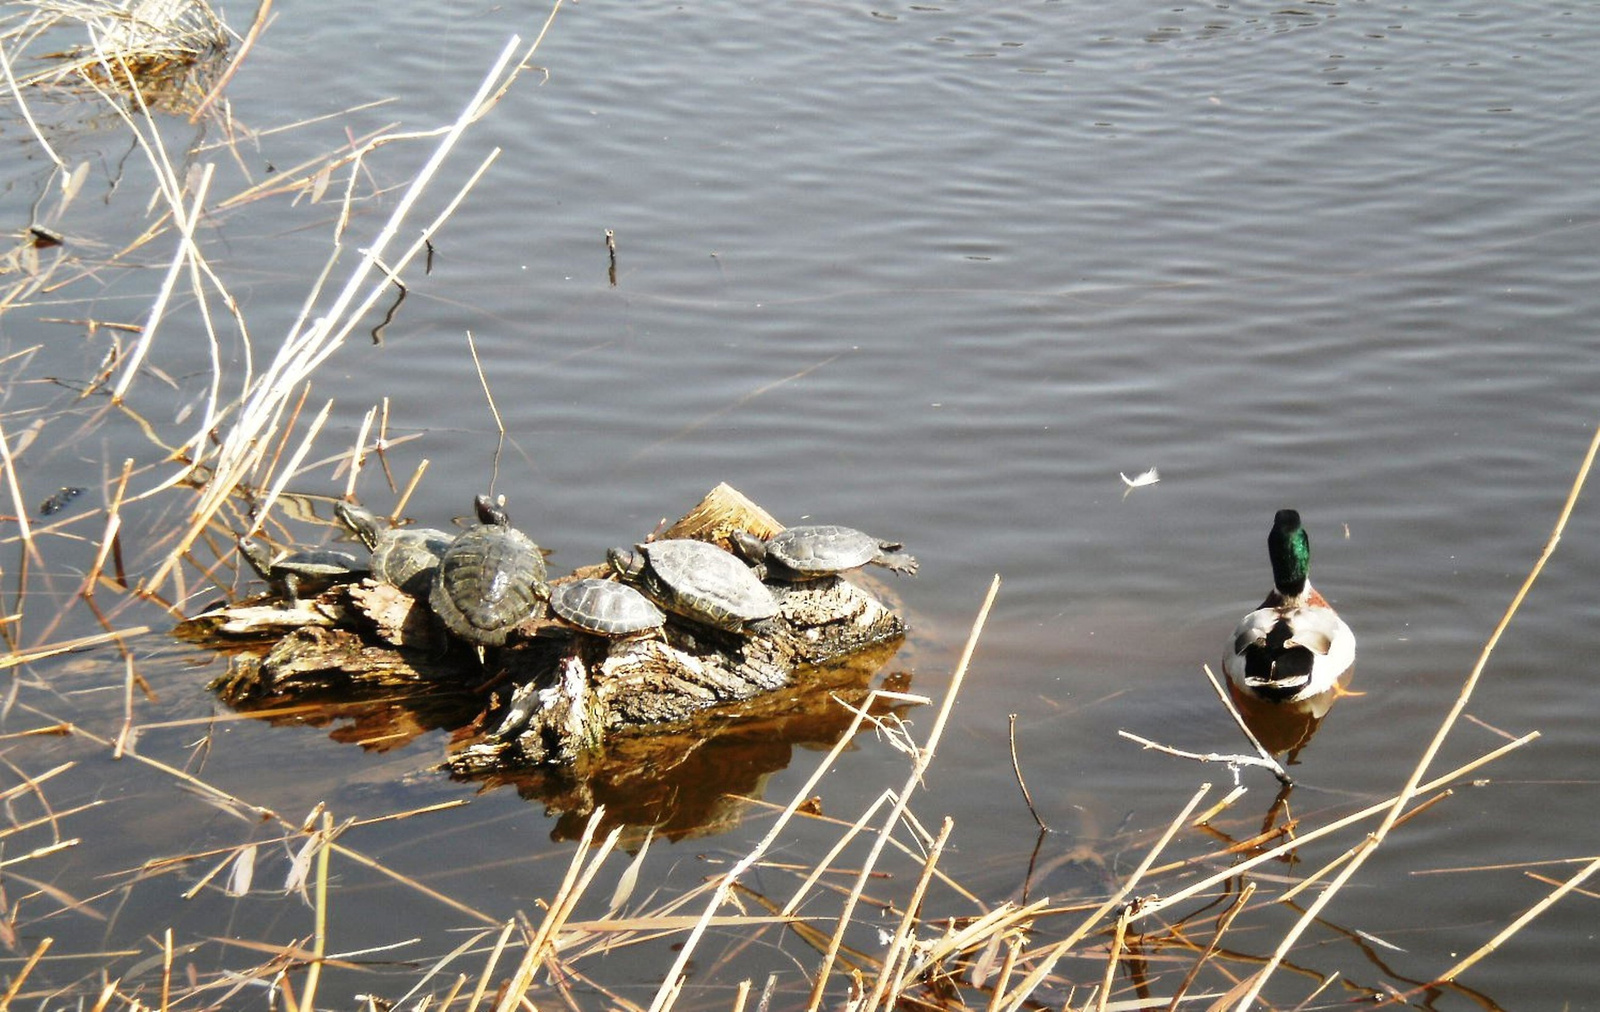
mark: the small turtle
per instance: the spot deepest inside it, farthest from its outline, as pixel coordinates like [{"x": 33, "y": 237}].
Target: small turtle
[
  {"x": 403, "y": 557},
  {"x": 812, "y": 552},
  {"x": 605, "y": 608},
  {"x": 290, "y": 572},
  {"x": 489, "y": 580},
  {"x": 697, "y": 580}
]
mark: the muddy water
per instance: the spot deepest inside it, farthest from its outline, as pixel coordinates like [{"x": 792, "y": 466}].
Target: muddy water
[{"x": 940, "y": 273}]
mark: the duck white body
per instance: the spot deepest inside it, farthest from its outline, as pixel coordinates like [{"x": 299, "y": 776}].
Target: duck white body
[{"x": 1294, "y": 646}]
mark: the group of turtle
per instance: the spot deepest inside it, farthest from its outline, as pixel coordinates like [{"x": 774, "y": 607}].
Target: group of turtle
[{"x": 489, "y": 578}]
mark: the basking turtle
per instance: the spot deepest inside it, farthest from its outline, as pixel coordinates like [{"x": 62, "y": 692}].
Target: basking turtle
[
  {"x": 812, "y": 552},
  {"x": 697, "y": 580},
  {"x": 489, "y": 580},
  {"x": 605, "y": 608},
  {"x": 310, "y": 570},
  {"x": 403, "y": 557}
]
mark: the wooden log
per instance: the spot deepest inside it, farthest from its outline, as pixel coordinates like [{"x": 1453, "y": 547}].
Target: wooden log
[
  {"x": 554, "y": 695},
  {"x": 694, "y": 778},
  {"x": 724, "y": 511},
  {"x": 600, "y": 688}
]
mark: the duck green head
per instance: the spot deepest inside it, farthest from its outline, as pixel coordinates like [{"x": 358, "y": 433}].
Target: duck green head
[{"x": 1289, "y": 547}]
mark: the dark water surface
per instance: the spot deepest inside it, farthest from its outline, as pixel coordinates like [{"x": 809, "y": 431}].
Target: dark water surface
[{"x": 940, "y": 272}]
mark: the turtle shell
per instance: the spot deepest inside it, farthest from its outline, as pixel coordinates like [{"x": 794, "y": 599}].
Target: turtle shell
[
  {"x": 823, "y": 549},
  {"x": 303, "y": 569},
  {"x": 489, "y": 580},
  {"x": 605, "y": 608},
  {"x": 408, "y": 558},
  {"x": 700, "y": 581},
  {"x": 403, "y": 557}
]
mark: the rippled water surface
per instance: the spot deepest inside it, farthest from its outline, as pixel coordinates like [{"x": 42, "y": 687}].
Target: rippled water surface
[{"x": 940, "y": 272}]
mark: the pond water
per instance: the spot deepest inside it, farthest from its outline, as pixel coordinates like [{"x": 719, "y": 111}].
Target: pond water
[{"x": 942, "y": 272}]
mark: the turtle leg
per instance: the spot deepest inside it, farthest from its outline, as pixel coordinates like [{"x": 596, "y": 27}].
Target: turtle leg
[
  {"x": 897, "y": 561},
  {"x": 767, "y": 627},
  {"x": 291, "y": 587}
]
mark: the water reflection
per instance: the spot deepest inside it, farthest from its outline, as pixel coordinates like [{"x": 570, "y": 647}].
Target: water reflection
[
  {"x": 685, "y": 780},
  {"x": 698, "y": 780},
  {"x": 1284, "y": 729}
]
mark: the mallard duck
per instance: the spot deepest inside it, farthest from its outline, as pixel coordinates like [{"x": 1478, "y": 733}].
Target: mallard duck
[{"x": 1295, "y": 645}]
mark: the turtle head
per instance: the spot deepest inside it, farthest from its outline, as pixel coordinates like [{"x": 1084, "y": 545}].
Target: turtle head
[
  {"x": 748, "y": 547},
  {"x": 361, "y": 522},
  {"x": 626, "y": 564},
  {"x": 1289, "y": 548},
  {"x": 258, "y": 555},
  {"x": 491, "y": 511}
]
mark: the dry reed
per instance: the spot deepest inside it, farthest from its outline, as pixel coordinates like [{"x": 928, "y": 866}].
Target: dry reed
[
  {"x": 931, "y": 955},
  {"x": 164, "y": 42}
]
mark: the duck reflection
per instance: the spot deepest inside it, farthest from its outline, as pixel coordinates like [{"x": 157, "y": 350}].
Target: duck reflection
[{"x": 1284, "y": 729}]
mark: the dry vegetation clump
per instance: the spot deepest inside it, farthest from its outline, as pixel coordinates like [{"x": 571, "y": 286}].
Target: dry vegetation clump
[
  {"x": 1194, "y": 920},
  {"x": 169, "y": 51}
]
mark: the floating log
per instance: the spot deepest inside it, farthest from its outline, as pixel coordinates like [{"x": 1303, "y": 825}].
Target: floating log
[
  {"x": 554, "y": 696},
  {"x": 699, "y": 776},
  {"x": 599, "y": 688}
]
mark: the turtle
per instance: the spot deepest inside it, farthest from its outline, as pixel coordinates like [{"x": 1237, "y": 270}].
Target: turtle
[
  {"x": 605, "y": 608},
  {"x": 489, "y": 580},
  {"x": 697, "y": 580},
  {"x": 290, "y": 571},
  {"x": 819, "y": 550},
  {"x": 403, "y": 557}
]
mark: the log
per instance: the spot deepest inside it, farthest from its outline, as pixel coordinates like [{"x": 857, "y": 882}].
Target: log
[
  {"x": 554, "y": 696},
  {"x": 600, "y": 688},
  {"x": 698, "y": 777}
]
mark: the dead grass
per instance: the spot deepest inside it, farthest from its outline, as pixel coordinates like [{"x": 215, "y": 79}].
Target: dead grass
[
  {"x": 1127, "y": 950},
  {"x": 166, "y": 52}
]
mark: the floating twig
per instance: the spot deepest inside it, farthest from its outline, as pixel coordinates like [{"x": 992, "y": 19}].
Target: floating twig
[
  {"x": 1016, "y": 767},
  {"x": 245, "y": 46},
  {"x": 17, "y": 504},
  {"x": 1250, "y": 736},
  {"x": 1204, "y": 757},
  {"x": 357, "y": 453},
  {"x": 483, "y": 380}
]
